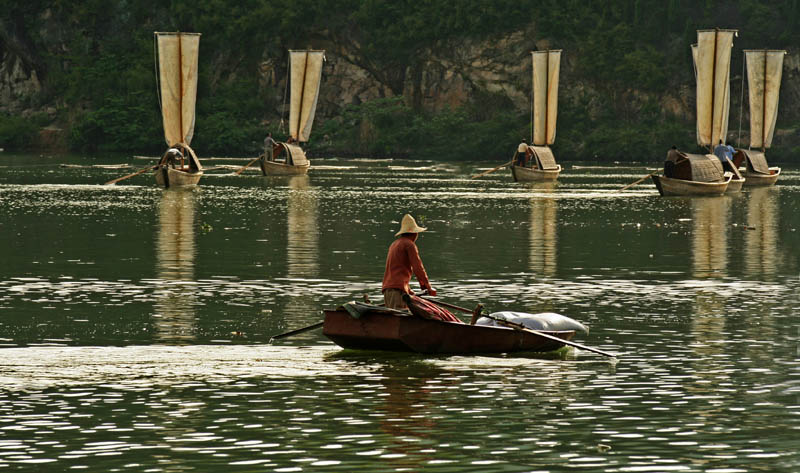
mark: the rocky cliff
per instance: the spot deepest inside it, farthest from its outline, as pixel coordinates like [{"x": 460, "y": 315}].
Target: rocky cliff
[{"x": 488, "y": 76}]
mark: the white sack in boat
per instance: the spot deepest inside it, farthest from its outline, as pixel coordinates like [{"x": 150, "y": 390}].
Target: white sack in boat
[{"x": 548, "y": 321}]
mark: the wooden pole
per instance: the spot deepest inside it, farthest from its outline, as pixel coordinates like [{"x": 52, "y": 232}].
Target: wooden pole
[
  {"x": 114, "y": 181},
  {"x": 640, "y": 180},
  {"x": 523, "y": 328},
  {"x": 650, "y": 175},
  {"x": 246, "y": 166},
  {"x": 493, "y": 170},
  {"x": 764, "y": 108},
  {"x": 295, "y": 332}
]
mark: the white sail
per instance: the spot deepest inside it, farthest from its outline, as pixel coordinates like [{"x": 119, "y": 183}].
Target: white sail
[
  {"x": 712, "y": 60},
  {"x": 306, "y": 72},
  {"x": 764, "y": 72},
  {"x": 177, "y": 75},
  {"x": 546, "y": 65}
]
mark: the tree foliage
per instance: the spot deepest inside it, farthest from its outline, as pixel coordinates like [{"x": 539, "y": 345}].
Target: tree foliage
[{"x": 95, "y": 60}]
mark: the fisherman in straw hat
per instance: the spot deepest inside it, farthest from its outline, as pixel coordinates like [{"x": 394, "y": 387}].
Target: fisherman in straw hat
[{"x": 402, "y": 260}]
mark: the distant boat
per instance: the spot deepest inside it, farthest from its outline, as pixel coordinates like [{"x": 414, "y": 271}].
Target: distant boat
[
  {"x": 704, "y": 174},
  {"x": 305, "y": 68},
  {"x": 764, "y": 74},
  {"x": 542, "y": 164},
  {"x": 177, "y": 61}
]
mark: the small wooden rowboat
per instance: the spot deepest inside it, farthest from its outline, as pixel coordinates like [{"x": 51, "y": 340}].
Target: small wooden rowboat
[
  {"x": 274, "y": 168},
  {"x": 375, "y": 330},
  {"x": 525, "y": 174},
  {"x": 173, "y": 177},
  {"x": 735, "y": 184},
  {"x": 543, "y": 166},
  {"x": 294, "y": 161},
  {"x": 756, "y": 171},
  {"x": 757, "y": 179},
  {"x": 671, "y": 186}
]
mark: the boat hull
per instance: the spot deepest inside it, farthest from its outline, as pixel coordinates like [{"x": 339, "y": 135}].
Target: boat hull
[
  {"x": 735, "y": 185},
  {"x": 379, "y": 331},
  {"x": 669, "y": 186},
  {"x": 272, "y": 168},
  {"x": 755, "y": 179},
  {"x": 523, "y": 174},
  {"x": 170, "y": 177}
]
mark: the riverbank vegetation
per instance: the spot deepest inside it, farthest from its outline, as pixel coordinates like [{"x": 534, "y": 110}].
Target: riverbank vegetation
[{"x": 626, "y": 89}]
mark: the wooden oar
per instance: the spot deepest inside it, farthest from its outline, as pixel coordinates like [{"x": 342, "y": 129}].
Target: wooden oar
[
  {"x": 651, "y": 175},
  {"x": 642, "y": 179},
  {"x": 114, "y": 181},
  {"x": 523, "y": 328},
  {"x": 246, "y": 166},
  {"x": 295, "y": 332},
  {"x": 492, "y": 170}
]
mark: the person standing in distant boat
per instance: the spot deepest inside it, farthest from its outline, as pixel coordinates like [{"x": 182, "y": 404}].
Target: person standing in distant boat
[
  {"x": 724, "y": 152},
  {"x": 268, "y": 147},
  {"x": 172, "y": 156},
  {"x": 673, "y": 155},
  {"x": 403, "y": 260},
  {"x": 522, "y": 152}
]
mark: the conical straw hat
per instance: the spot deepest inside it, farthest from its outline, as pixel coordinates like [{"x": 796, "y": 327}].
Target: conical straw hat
[{"x": 409, "y": 225}]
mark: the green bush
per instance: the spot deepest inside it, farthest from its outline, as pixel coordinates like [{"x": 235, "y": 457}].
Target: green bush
[{"x": 17, "y": 132}]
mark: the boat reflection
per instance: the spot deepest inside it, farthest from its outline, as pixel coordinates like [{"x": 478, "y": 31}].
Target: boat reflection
[
  {"x": 412, "y": 388},
  {"x": 760, "y": 239},
  {"x": 543, "y": 231},
  {"x": 710, "y": 217},
  {"x": 302, "y": 247},
  {"x": 175, "y": 297}
]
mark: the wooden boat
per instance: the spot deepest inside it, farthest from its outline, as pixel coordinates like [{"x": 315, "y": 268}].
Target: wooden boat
[
  {"x": 305, "y": 69},
  {"x": 696, "y": 174},
  {"x": 756, "y": 171},
  {"x": 377, "y": 330},
  {"x": 692, "y": 174},
  {"x": 293, "y": 163},
  {"x": 764, "y": 75},
  {"x": 735, "y": 184},
  {"x": 177, "y": 177},
  {"x": 180, "y": 173},
  {"x": 758, "y": 179},
  {"x": 177, "y": 59},
  {"x": 671, "y": 186},
  {"x": 542, "y": 164}
]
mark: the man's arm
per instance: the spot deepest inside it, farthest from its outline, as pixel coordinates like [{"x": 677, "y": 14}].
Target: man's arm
[{"x": 418, "y": 268}]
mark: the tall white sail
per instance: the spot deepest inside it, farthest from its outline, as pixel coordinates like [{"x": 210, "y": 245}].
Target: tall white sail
[
  {"x": 712, "y": 60},
  {"x": 177, "y": 74},
  {"x": 764, "y": 73},
  {"x": 546, "y": 66},
  {"x": 305, "y": 75}
]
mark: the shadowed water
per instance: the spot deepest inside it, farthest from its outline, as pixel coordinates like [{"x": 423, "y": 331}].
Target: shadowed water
[{"x": 135, "y": 322}]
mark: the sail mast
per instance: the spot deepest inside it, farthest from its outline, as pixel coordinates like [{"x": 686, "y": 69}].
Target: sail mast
[
  {"x": 547, "y": 98},
  {"x": 180, "y": 79},
  {"x": 713, "y": 86},
  {"x": 764, "y": 108},
  {"x": 302, "y": 93}
]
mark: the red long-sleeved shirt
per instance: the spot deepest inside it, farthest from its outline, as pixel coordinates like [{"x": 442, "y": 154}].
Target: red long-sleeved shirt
[{"x": 403, "y": 258}]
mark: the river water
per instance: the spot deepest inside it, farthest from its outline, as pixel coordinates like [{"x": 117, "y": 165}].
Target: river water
[{"x": 134, "y": 321}]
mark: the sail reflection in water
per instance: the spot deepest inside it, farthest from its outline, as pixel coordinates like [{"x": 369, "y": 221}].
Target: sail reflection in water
[
  {"x": 175, "y": 297},
  {"x": 543, "y": 234},
  {"x": 302, "y": 247},
  {"x": 760, "y": 241},
  {"x": 710, "y": 218}
]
